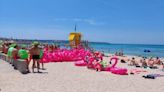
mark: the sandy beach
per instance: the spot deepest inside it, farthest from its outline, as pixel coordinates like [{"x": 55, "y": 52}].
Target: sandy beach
[
  {"x": 65, "y": 77},
  {"x": 85, "y": 45}
]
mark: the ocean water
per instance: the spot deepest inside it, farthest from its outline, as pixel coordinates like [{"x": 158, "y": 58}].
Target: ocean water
[{"x": 130, "y": 49}]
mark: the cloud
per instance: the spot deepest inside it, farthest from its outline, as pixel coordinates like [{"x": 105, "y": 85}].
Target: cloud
[
  {"x": 92, "y": 22},
  {"x": 88, "y": 21}
]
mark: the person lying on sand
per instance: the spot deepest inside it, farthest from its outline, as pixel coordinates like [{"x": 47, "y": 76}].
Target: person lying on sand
[
  {"x": 163, "y": 65},
  {"x": 133, "y": 62},
  {"x": 143, "y": 62},
  {"x": 157, "y": 61},
  {"x": 124, "y": 59},
  {"x": 151, "y": 62}
]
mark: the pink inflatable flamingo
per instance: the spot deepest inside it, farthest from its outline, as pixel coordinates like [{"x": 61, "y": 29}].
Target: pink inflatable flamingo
[
  {"x": 44, "y": 59},
  {"x": 90, "y": 65},
  {"x": 80, "y": 63},
  {"x": 116, "y": 70},
  {"x": 61, "y": 55}
]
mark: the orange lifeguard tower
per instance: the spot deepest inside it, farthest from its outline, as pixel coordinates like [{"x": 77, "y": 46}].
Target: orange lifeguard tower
[{"x": 75, "y": 39}]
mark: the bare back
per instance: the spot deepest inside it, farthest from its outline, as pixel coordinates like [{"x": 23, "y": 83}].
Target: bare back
[
  {"x": 35, "y": 51},
  {"x": 15, "y": 53}
]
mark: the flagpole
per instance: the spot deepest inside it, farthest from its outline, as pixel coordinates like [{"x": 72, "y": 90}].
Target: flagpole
[{"x": 75, "y": 28}]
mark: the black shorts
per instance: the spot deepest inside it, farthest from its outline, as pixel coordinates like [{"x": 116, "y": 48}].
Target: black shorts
[{"x": 35, "y": 57}]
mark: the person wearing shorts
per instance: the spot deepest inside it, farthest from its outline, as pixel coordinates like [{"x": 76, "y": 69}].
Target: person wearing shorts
[{"x": 35, "y": 54}]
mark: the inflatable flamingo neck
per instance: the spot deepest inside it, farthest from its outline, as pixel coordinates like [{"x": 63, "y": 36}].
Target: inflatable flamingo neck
[{"x": 115, "y": 59}]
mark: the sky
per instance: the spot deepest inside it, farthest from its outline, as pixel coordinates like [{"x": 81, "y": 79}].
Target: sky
[{"x": 113, "y": 21}]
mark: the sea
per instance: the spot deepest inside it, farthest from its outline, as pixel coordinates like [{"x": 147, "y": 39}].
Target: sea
[
  {"x": 128, "y": 49},
  {"x": 131, "y": 49}
]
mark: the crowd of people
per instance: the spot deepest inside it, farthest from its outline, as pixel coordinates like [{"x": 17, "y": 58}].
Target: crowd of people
[
  {"x": 147, "y": 62},
  {"x": 29, "y": 53},
  {"x": 34, "y": 53}
]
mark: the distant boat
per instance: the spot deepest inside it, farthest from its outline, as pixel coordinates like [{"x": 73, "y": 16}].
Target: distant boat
[{"x": 147, "y": 50}]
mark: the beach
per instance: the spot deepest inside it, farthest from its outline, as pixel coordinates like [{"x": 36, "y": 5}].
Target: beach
[
  {"x": 81, "y": 46},
  {"x": 66, "y": 77}
]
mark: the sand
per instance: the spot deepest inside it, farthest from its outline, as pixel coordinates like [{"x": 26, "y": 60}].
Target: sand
[{"x": 65, "y": 77}]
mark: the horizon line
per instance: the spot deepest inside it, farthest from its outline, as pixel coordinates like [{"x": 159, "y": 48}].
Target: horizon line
[{"x": 5, "y": 38}]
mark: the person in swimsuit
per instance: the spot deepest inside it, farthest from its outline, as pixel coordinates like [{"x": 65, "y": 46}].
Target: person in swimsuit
[
  {"x": 132, "y": 62},
  {"x": 41, "y": 56},
  {"x": 1, "y": 47},
  {"x": 151, "y": 62},
  {"x": 157, "y": 61},
  {"x": 143, "y": 62},
  {"x": 163, "y": 66},
  {"x": 35, "y": 54},
  {"x": 15, "y": 53},
  {"x": 5, "y": 47}
]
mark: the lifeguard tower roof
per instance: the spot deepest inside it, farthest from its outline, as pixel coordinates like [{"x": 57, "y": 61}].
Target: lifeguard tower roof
[{"x": 75, "y": 38}]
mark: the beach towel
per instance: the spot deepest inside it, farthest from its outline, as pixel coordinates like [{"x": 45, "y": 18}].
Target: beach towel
[
  {"x": 137, "y": 71},
  {"x": 153, "y": 67},
  {"x": 153, "y": 76}
]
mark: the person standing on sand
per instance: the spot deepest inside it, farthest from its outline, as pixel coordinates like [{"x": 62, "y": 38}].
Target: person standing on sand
[
  {"x": 41, "y": 57},
  {"x": 35, "y": 54},
  {"x": 15, "y": 53},
  {"x": 23, "y": 54},
  {"x": 1, "y": 43},
  {"x": 5, "y": 47}
]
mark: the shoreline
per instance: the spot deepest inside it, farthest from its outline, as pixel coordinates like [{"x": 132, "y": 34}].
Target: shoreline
[
  {"x": 109, "y": 54},
  {"x": 101, "y": 46},
  {"x": 100, "y": 42}
]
